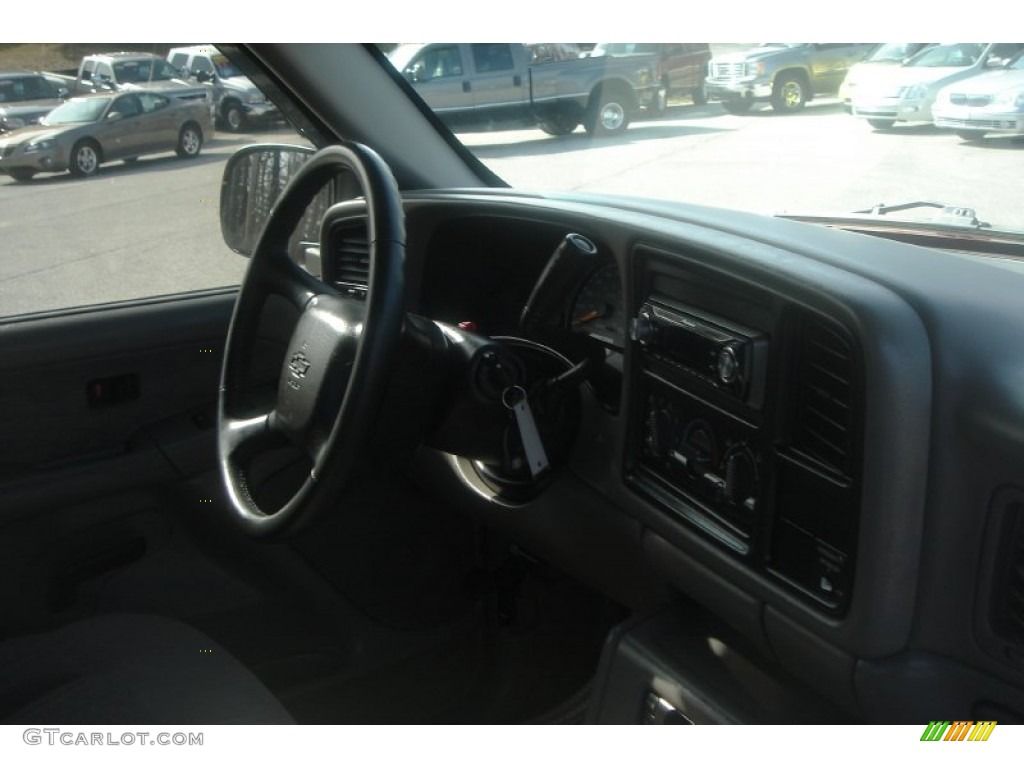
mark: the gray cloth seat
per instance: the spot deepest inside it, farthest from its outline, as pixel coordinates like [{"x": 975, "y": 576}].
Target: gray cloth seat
[{"x": 132, "y": 670}]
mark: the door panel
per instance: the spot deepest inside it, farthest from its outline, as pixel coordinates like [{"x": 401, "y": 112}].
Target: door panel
[{"x": 111, "y": 382}]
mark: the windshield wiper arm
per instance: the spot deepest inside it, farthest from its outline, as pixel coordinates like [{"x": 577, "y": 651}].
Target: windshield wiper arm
[{"x": 952, "y": 215}]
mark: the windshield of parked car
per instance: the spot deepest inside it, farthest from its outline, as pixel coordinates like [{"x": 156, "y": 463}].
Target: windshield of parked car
[
  {"x": 225, "y": 68},
  {"x": 87, "y": 110},
  {"x": 403, "y": 54},
  {"x": 954, "y": 55},
  {"x": 143, "y": 71},
  {"x": 887, "y": 52}
]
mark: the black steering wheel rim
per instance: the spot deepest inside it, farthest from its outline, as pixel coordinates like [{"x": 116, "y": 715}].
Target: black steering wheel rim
[{"x": 339, "y": 355}]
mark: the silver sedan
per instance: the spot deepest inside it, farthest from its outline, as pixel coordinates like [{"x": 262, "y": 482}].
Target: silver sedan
[{"x": 85, "y": 132}]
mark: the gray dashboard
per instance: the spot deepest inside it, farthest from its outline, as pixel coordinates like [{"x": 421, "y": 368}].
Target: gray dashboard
[{"x": 923, "y": 511}]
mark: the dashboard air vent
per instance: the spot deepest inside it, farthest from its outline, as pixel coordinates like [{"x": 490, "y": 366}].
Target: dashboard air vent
[
  {"x": 351, "y": 256},
  {"x": 823, "y": 428}
]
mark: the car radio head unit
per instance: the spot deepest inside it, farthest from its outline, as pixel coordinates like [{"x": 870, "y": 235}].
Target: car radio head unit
[{"x": 727, "y": 357}]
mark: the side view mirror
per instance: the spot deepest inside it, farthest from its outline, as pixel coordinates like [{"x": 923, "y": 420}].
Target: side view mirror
[
  {"x": 63, "y": 93},
  {"x": 254, "y": 178},
  {"x": 115, "y": 115},
  {"x": 203, "y": 76}
]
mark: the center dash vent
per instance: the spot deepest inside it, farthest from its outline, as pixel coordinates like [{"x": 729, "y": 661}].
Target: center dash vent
[
  {"x": 351, "y": 257},
  {"x": 824, "y": 404}
]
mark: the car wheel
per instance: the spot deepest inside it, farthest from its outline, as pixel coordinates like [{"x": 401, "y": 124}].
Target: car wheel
[
  {"x": 971, "y": 135},
  {"x": 234, "y": 118},
  {"x": 738, "y": 106},
  {"x": 882, "y": 125},
  {"x": 789, "y": 93},
  {"x": 21, "y": 174},
  {"x": 190, "y": 140},
  {"x": 700, "y": 95},
  {"x": 609, "y": 113},
  {"x": 85, "y": 159},
  {"x": 559, "y": 124}
]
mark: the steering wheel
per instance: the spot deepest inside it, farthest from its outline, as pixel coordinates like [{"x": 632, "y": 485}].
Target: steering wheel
[{"x": 338, "y": 357}]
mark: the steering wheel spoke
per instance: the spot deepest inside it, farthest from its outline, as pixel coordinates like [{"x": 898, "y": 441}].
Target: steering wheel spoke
[
  {"x": 283, "y": 277},
  {"x": 244, "y": 437},
  {"x": 338, "y": 358}
]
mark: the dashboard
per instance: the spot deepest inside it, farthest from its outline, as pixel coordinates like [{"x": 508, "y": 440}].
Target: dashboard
[{"x": 794, "y": 438}]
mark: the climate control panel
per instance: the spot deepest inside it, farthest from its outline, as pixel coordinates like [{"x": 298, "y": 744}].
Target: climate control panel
[{"x": 713, "y": 459}]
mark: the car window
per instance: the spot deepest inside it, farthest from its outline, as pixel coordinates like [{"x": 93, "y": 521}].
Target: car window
[
  {"x": 440, "y": 61},
  {"x": 151, "y": 102},
  {"x": 492, "y": 57},
  {"x": 144, "y": 70},
  {"x": 128, "y": 105},
  {"x": 26, "y": 88},
  {"x": 202, "y": 64},
  {"x": 73, "y": 242},
  {"x": 954, "y": 55},
  {"x": 81, "y": 110}
]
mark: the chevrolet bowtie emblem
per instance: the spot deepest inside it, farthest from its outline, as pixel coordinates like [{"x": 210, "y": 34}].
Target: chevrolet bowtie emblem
[{"x": 298, "y": 365}]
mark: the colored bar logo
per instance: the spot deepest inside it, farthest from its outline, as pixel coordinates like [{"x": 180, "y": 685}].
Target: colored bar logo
[{"x": 958, "y": 730}]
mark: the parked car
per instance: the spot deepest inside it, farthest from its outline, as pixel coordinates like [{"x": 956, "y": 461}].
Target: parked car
[
  {"x": 992, "y": 102},
  {"x": 481, "y": 84},
  {"x": 786, "y": 74},
  {"x": 130, "y": 71},
  {"x": 87, "y": 131},
  {"x": 885, "y": 55},
  {"x": 238, "y": 100},
  {"x": 25, "y": 97},
  {"x": 905, "y": 94},
  {"x": 680, "y": 68}
]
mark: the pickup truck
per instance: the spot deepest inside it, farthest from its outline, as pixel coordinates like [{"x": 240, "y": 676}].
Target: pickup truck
[
  {"x": 127, "y": 71},
  {"x": 546, "y": 84},
  {"x": 239, "y": 102},
  {"x": 787, "y": 74}
]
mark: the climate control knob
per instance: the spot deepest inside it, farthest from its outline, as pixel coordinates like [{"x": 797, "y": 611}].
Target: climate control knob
[{"x": 740, "y": 476}]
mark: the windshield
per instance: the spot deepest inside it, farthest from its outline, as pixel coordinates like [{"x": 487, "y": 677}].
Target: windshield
[
  {"x": 701, "y": 124},
  {"x": 723, "y": 130},
  {"x": 78, "y": 111},
  {"x": 887, "y": 52},
  {"x": 954, "y": 55},
  {"x": 225, "y": 68},
  {"x": 143, "y": 71}
]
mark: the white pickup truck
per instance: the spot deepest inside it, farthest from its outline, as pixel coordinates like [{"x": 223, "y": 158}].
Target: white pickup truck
[{"x": 548, "y": 85}]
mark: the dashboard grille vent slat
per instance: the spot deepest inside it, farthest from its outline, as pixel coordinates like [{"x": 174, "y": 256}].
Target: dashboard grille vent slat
[
  {"x": 352, "y": 256},
  {"x": 823, "y": 426}
]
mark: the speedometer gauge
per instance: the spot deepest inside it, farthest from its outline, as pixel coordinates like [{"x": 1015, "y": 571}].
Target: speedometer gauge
[{"x": 598, "y": 308}]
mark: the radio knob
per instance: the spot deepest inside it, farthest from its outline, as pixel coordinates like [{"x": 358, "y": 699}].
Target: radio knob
[
  {"x": 728, "y": 365},
  {"x": 643, "y": 330},
  {"x": 661, "y": 432}
]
